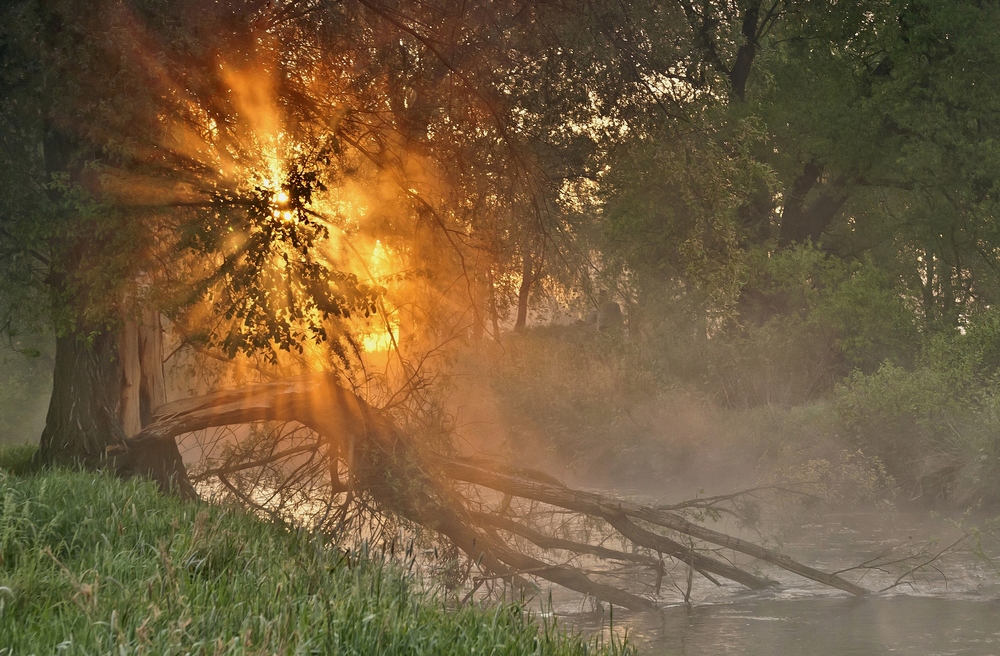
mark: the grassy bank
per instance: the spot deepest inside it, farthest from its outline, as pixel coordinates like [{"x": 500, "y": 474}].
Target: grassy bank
[{"x": 94, "y": 565}]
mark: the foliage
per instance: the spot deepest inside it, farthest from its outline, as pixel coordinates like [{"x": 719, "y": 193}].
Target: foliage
[
  {"x": 793, "y": 202},
  {"x": 850, "y": 478},
  {"x": 672, "y": 213},
  {"x": 90, "y": 564},
  {"x": 889, "y": 102},
  {"x": 593, "y": 407},
  {"x": 823, "y": 362},
  {"x": 773, "y": 241},
  {"x": 271, "y": 289},
  {"x": 803, "y": 321},
  {"x": 806, "y": 320},
  {"x": 933, "y": 424}
]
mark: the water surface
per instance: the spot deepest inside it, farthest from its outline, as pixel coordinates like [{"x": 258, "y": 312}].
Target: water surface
[{"x": 951, "y": 608}]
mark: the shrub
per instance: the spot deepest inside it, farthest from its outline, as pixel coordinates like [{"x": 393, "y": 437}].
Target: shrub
[{"x": 936, "y": 424}]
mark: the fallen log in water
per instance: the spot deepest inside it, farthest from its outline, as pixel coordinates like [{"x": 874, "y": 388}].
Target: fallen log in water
[
  {"x": 423, "y": 487},
  {"x": 618, "y": 510}
]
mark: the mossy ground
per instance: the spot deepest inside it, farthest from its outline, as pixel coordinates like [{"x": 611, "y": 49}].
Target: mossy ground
[{"x": 94, "y": 565}]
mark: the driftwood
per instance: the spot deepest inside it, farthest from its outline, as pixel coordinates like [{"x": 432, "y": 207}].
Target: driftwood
[{"x": 426, "y": 488}]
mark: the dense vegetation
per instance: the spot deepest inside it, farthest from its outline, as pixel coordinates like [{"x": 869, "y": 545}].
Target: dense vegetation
[
  {"x": 844, "y": 369},
  {"x": 791, "y": 207},
  {"x": 793, "y": 202},
  {"x": 90, "y": 564}
]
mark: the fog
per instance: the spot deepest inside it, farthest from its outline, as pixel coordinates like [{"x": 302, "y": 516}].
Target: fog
[{"x": 25, "y": 385}]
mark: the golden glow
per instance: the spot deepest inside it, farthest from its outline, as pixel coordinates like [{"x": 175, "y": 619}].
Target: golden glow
[
  {"x": 384, "y": 337},
  {"x": 381, "y": 340},
  {"x": 379, "y": 265},
  {"x": 252, "y": 151}
]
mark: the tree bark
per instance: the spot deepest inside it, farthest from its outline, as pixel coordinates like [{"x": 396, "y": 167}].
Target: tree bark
[
  {"x": 801, "y": 221},
  {"x": 141, "y": 355},
  {"x": 616, "y": 510},
  {"x": 740, "y": 72},
  {"x": 84, "y": 417},
  {"x": 494, "y": 313},
  {"x": 927, "y": 287},
  {"x": 132, "y": 378},
  {"x": 479, "y": 302},
  {"x": 105, "y": 369},
  {"x": 106, "y": 385}
]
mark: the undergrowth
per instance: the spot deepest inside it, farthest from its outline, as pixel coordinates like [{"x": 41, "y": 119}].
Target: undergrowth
[{"x": 90, "y": 564}]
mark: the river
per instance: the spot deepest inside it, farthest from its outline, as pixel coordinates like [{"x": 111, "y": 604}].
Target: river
[{"x": 950, "y": 608}]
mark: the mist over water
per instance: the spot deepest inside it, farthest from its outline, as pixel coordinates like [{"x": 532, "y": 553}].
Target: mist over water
[
  {"x": 904, "y": 625},
  {"x": 950, "y": 607}
]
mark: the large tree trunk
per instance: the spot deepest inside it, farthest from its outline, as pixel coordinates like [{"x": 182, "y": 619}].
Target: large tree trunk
[
  {"x": 106, "y": 386},
  {"x": 84, "y": 417},
  {"x": 142, "y": 366}
]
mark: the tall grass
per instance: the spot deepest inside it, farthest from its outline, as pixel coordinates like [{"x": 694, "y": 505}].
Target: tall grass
[{"x": 93, "y": 565}]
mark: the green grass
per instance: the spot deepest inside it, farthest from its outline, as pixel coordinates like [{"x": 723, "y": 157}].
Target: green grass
[
  {"x": 93, "y": 565},
  {"x": 18, "y": 459}
]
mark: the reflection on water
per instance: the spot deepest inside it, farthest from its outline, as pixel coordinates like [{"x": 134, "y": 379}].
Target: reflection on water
[
  {"x": 828, "y": 626},
  {"x": 953, "y": 608}
]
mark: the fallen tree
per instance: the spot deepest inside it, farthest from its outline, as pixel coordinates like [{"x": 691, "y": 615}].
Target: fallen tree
[{"x": 426, "y": 487}]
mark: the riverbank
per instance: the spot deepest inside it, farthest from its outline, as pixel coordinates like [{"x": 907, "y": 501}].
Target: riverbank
[{"x": 92, "y": 564}]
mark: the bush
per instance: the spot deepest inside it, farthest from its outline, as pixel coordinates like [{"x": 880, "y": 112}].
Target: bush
[
  {"x": 803, "y": 322},
  {"x": 936, "y": 424},
  {"x": 594, "y": 405}
]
